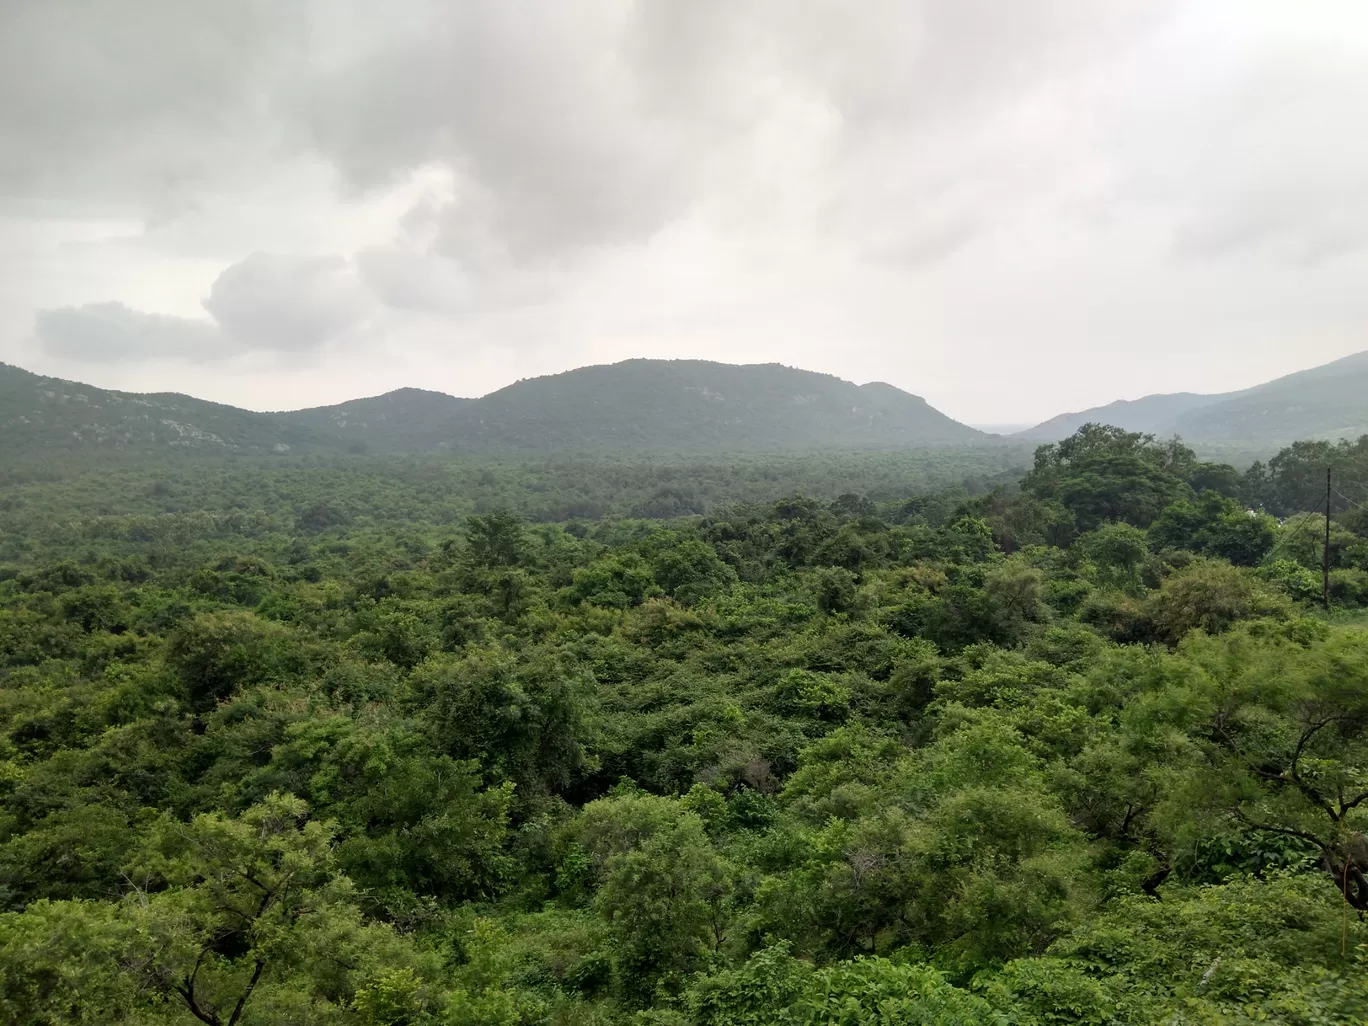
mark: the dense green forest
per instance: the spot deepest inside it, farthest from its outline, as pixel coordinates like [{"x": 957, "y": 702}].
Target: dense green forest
[
  {"x": 48, "y": 505},
  {"x": 881, "y": 739}
]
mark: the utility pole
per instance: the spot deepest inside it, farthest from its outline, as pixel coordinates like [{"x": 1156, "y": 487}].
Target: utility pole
[{"x": 1325, "y": 559}]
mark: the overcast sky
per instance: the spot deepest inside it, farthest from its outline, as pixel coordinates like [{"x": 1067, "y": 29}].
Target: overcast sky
[{"x": 1012, "y": 209}]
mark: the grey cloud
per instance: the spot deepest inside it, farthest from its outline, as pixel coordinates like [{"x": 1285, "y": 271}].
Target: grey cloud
[
  {"x": 136, "y": 105},
  {"x": 568, "y": 129},
  {"x": 411, "y": 280},
  {"x": 572, "y": 128},
  {"x": 288, "y": 303},
  {"x": 895, "y": 62},
  {"x": 529, "y": 105},
  {"x": 934, "y": 241},
  {"x": 114, "y": 333},
  {"x": 649, "y": 174},
  {"x": 1260, "y": 158}
]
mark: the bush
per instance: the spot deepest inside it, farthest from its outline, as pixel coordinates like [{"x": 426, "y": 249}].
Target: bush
[
  {"x": 1120, "y": 617},
  {"x": 1209, "y": 596},
  {"x": 214, "y": 654},
  {"x": 1349, "y": 587},
  {"x": 1292, "y": 579}
]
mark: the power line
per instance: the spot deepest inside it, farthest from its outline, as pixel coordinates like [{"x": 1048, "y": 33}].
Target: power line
[
  {"x": 1355, "y": 482},
  {"x": 1350, "y": 501},
  {"x": 1307, "y": 518}
]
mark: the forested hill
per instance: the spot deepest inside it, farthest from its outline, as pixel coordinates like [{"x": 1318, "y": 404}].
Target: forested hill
[
  {"x": 1328, "y": 402},
  {"x": 699, "y": 405},
  {"x": 1151, "y": 414},
  {"x": 405, "y": 420},
  {"x": 634, "y": 406},
  {"x": 648, "y": 405},
  {"x": 40, "y": 414}
]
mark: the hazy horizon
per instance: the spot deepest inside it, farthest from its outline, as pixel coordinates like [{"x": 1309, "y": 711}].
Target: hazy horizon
[{"x": 1012, "y": 212}]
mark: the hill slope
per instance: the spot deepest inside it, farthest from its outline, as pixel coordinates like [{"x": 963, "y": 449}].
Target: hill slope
[
  {"x": 1153, "y": 414},
  {"x": 639, "y": 405},
  {"x": 41, "y": 414},
  {"x": 405, "y": 420},
  {"x": 696, "y": 405},
  {"x": 1330, "y": 401}
]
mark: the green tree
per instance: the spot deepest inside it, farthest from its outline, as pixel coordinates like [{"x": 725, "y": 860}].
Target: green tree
[
  {"x": 1120, "y": 556},
  {"x": 615, "y": 582},
  {"x": 407, "y": 819},
  {"x": 495, "y": 539},
  {"x": 1278, "y": 730},
  {"x": 1210, "y": 596},
  {"x": 881, "y": 992},
  {"x": 1103, "y": 473},
  {"x": 661, "y": 887},
  {"x": 523, "y": 721},
  {"x": 230, "y": 920},
  {"x": 215, "y": 654},
  {"x": 1215, "y": 526},
  {"x": 688, "y": 569}
]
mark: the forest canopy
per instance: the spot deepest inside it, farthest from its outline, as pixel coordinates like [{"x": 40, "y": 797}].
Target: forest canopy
[{"x": 879, "y": 739}]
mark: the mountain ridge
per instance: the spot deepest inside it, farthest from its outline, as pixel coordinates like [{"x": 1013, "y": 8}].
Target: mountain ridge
[
  {"x": 635, "y": 405},
  {"x": 645, "y": 406},
  {"x": 1328, "y": 401}
]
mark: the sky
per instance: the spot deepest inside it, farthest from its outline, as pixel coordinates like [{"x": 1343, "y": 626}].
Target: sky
[{"x": 1011, "y": 209}]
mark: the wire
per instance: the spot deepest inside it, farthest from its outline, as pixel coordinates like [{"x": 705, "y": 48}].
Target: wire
[
  {"x": 1349, "y": 500},
  {"x": 1351, "y": 476},
  {"x": 1306, "y": 519}
]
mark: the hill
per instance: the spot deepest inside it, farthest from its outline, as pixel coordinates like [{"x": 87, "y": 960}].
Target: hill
[
  {"x": 684, "y": 406},
  {"x": 1330, "y": 401},
  {"x": 405, "y": 420},
  {"x": 1153, "y": 414},
  {"x": 697, "y": 405},
  {"x": 42, "y": 414}
]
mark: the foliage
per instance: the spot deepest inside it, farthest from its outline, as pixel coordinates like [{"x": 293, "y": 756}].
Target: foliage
[
  {"x": 1084, "y": 751},
  {"x": 1103, "y": 473}
]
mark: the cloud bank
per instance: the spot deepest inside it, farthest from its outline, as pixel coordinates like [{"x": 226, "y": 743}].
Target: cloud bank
[{"x": 1011, "y": 209}]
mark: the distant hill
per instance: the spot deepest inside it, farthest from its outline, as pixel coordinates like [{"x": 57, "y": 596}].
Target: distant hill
[
  {"x": 635, "y": 406},
  {"x": 1154, "y": 414},
  {"x": 45, "y": 414},
  {"x": 696, "y": 405},
  {"x": 405, "y": 420},
  {"x": 1330, "y": 401}
]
